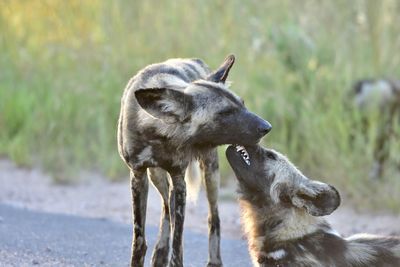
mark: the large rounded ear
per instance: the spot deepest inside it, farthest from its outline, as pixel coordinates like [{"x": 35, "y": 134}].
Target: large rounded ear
[
  {"x": 319, "y": 199},
  {"x": 220, "y": 75},
  {"x": 168, "y": 105}
]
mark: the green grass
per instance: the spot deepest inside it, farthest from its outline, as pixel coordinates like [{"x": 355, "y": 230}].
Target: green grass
[{"x": 64, "y": 65}]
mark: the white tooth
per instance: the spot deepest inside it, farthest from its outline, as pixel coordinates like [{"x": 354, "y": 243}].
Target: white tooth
[
  {"x": 239, "y": 148},
  {"x": 243, "y": 153}
]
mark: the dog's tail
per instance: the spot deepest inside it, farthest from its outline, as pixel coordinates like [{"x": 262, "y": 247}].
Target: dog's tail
[{"x": 193, "y": 180}]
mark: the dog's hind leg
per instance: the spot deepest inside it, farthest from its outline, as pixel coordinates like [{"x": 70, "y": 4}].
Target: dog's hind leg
[
  {"x": 159, "y": 179},
  {"x": 209, "y": 167},
  {"x": 382, "y": 146},
  {"x": 177, "y": 200},
  {"x": 139, "y": 189}
]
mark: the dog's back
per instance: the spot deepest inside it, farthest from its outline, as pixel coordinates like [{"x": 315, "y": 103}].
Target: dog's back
[
  {"x": 372, "y": 93},
  {"x": 173, "y": 73},
  {"x": 324, "y": 249},
  {"x": 370, "y": 250}
]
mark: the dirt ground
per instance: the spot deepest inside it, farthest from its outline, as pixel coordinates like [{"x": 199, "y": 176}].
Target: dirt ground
[{"x": 96, "y": 197}]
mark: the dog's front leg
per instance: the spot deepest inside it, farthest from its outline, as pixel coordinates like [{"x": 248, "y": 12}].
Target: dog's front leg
[
  {"x": 209, "y": 167},
  {"x": 177, "y": 200},
  {"x": 139, "y": 188},
  {"x": 159, "y": 179}
]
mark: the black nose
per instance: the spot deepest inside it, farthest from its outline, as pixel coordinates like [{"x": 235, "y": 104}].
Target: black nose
[{"x": 264, "y": 128}]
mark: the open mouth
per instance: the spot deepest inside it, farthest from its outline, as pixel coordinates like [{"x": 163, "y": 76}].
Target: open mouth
[{"x": 243, "y": 153}]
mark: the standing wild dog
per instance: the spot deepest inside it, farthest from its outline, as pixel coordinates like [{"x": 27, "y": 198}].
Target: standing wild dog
[
  {"x": 385, "y": 96},
  {"x": 172, "y": 114},
  {"x": 280, "y": 209}
]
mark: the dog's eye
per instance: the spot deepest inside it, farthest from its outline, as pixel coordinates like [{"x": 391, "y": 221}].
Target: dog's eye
[
  {"x": 226, "y": 112},
  {"x": 271, "y": 155}
]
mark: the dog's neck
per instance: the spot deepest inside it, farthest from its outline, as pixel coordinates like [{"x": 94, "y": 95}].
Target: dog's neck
[{"x": 269, "y": 225}]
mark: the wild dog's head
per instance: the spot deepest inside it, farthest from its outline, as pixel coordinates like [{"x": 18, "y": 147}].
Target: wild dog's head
[
  {"x": 209, "y": 113},
  {"x": 270, "y": 176}
]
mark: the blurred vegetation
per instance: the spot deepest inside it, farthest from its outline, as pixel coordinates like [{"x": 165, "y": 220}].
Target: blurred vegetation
[{"x": 64, "y": 64}]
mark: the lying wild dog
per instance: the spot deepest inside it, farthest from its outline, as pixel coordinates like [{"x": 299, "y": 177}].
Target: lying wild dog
[
  {"x": 281, "y": 209},
  {"x": 383, "y": 95},
  {"x": 172, "y": 114}
]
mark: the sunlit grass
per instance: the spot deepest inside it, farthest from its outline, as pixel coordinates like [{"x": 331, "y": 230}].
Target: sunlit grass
[{"x": 64, "y": 66}]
